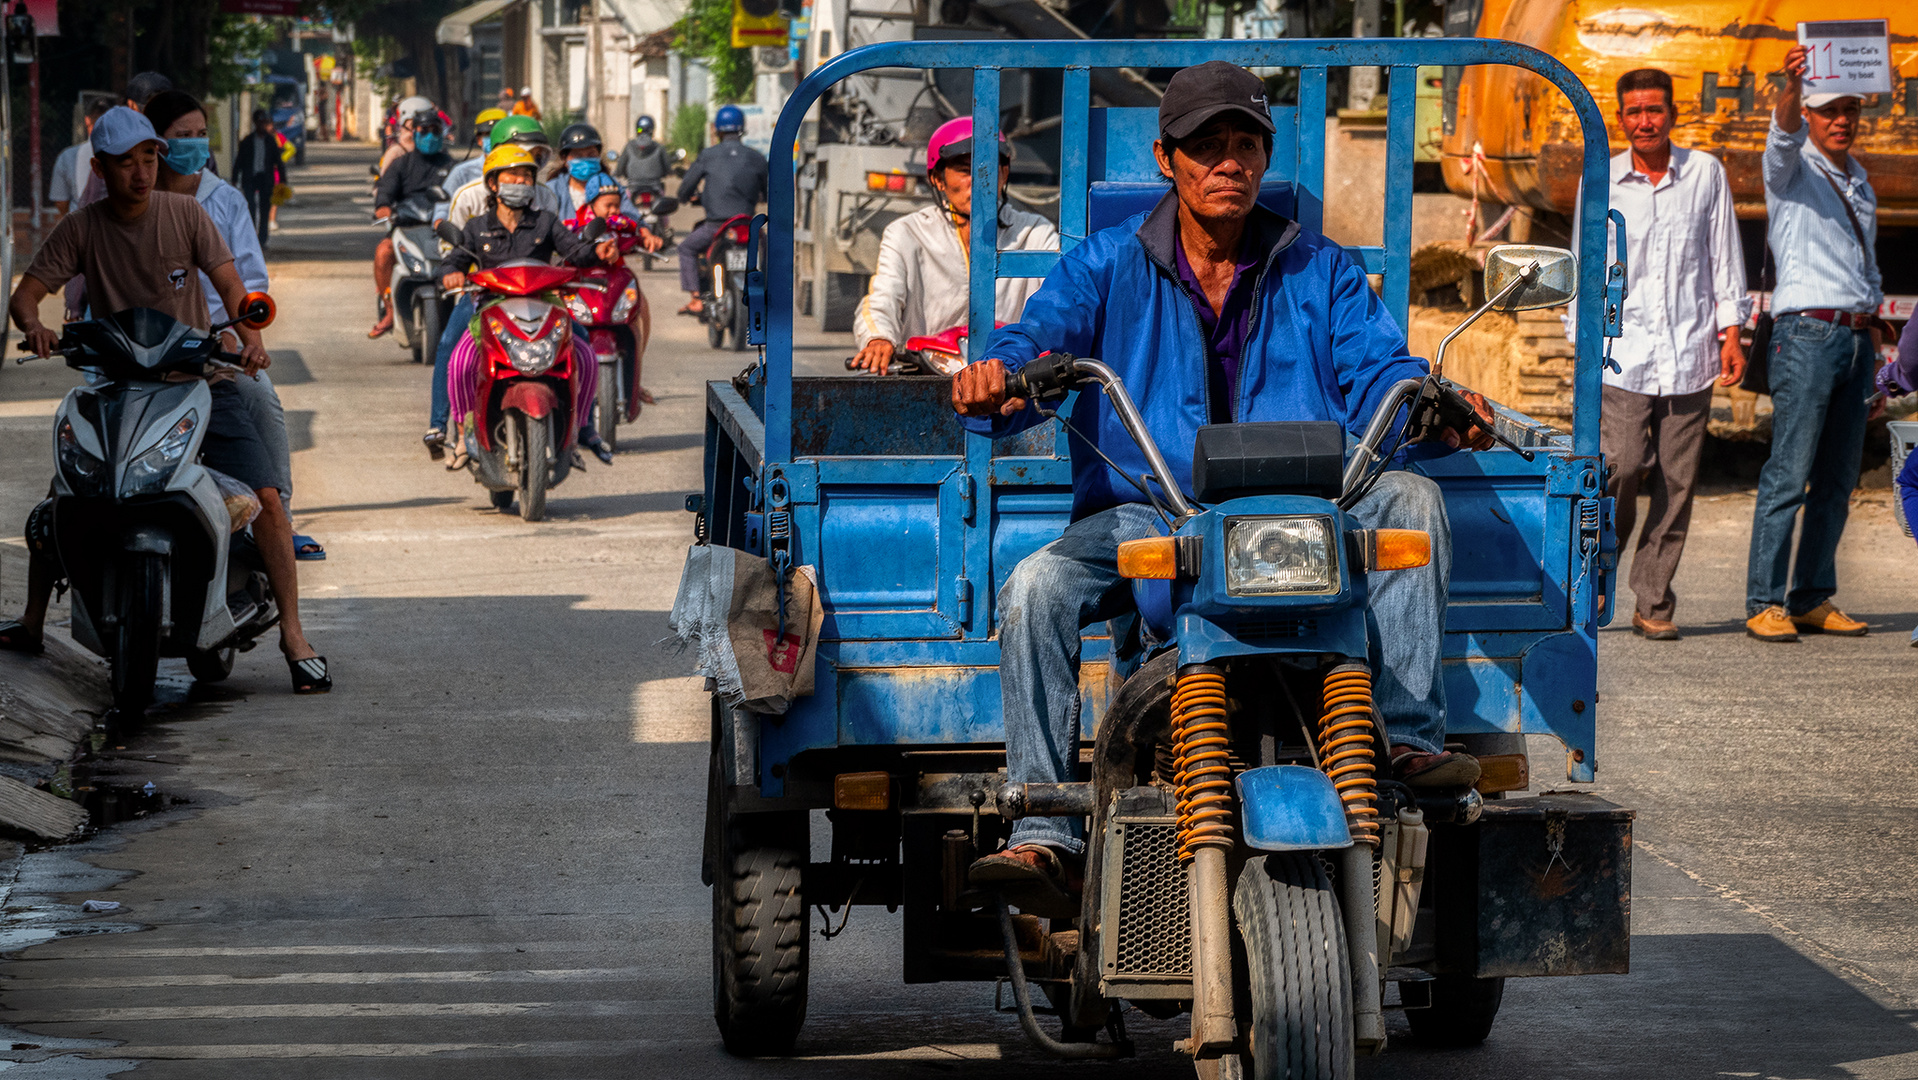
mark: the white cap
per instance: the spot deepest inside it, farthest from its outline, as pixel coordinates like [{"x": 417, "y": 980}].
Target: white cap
[
  {"x": 120, "y": 129},
  {"x": 1819, "y": 101},
  {"x": 414, "y": 106}
]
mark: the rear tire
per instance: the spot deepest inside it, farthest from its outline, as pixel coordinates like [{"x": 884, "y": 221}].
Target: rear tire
[
  {"x": 430, "y": 328},
  {"x": 1301, "y": 978},
  {"x": 536, "y": 468},
  {"x": 136, "y": 654},
  {"x": 210, "y": 665},
  {"x": 742, "y": 315},
  {"x": 1462, "y": 1012},
  {"x": 716, "y": 313},
  {"x": 607, "y": 402},
  {"x": 760, "y": 927}
]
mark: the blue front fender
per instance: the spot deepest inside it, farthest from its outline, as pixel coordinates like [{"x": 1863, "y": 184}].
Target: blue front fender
[{"x": 1291, "y": 808}]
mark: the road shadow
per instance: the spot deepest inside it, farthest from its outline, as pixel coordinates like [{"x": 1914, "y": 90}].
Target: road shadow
[
  {"x": 683, "y": 440},
  {"x": 398, "y": 504}
]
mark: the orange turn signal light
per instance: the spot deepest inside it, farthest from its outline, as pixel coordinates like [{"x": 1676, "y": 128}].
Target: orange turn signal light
[
  {"x": 1162, "y": 557},
  {"x": 1153, "y": 557},
  {"x": 1503, "y": 772},
  {"x": 862, "y": 791},
  {"x": 1400, "y": 549}
]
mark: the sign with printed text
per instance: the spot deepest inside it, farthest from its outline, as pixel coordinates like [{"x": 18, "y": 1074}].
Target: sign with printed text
[{"x": 1851, "y": 57}]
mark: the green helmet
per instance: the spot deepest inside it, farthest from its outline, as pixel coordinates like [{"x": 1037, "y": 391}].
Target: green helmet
[{"x": 520, "y": 129}]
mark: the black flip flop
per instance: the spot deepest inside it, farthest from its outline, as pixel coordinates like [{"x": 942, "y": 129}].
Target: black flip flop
[
  {"x": 14, "y": 638},
  {"x": 310, "y": 676}
]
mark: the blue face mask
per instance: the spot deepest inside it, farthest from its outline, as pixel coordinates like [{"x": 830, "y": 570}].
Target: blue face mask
[
  {"x": 583, "y": 169},
  {"x": 187, "y": 156},
  {"x": 428, "y": 142}
]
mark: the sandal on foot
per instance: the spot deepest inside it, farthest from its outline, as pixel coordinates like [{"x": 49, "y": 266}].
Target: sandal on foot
[
  {"x": 1419, "y": 769},
  {"x": 599, "y": 448},
  {"x": 695, "y": 312},
  {"x": 435, "y": 440},
  {"x": 307, "y": 549},
  {"x": 646, "y": 396},
  {"x": 310, "y": 675},
  {"x": 15, "y": 637},
  {"x": 1033, "y": 877}
]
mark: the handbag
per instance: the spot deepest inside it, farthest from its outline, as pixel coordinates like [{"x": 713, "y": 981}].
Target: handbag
[{"x": 1757, "y": 377}]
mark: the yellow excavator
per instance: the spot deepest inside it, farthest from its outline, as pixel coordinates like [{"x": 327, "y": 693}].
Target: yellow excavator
[{"x": 1512, "y": 139}]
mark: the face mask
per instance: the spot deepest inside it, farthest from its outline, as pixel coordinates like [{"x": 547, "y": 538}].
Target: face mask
[
  {"x": 187, "y": 156},
  {"x": 486, "y": 145},
  {"x": 583, "y": 168},
  {"x": 517, "y": 196},
  {"x": 428, "y": 142}
]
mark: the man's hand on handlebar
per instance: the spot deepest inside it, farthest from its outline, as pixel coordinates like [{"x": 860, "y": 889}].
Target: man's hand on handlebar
[
  {"x": 383, "y": 213},
  {"x": 1480, "y": 435},
  {"x": 253, "y": 358},
  {"x": 453, "y": 282},
  {"x": 875, "y": 356},
  {"x": 42, "y": 341},
  {"x": 607, "y": 250},
  {"x": 980, "y": 390}
]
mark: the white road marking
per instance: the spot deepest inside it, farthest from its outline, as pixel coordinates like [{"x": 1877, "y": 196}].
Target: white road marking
[
  {"x": 336, "y": 978},
  {"x": 672, "y": 710}
]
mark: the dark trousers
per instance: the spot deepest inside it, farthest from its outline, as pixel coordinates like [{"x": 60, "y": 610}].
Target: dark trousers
[
  {"x": 690, "y": 249},
  {"x": 1659, "y": 438},
  {"x": 1820, "y": 376},
  {"x": 260, "y": 201}
]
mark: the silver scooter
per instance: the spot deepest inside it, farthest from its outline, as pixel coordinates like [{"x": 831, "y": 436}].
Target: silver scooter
[{"x": 143, "y": 530}]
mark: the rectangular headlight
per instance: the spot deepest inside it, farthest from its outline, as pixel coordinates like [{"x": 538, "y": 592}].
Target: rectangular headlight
[{"x": 1270, "y": 556}]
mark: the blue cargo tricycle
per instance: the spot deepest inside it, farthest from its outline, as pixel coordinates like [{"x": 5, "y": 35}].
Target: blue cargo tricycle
[{"x": 1249, "y": 863}]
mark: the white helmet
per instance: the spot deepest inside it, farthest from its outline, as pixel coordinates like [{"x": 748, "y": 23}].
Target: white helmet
[{"x": 416, "y": 106}]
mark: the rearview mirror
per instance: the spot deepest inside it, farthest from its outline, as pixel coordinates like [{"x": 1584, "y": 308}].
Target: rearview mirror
[
  {"x": 258, "y": 309},
  {"x": 595, "y": 230},
  {"x": 665, "y": 205},
  {"x": 1555, "y": 283},
  {"x": 445, "y": 231}
]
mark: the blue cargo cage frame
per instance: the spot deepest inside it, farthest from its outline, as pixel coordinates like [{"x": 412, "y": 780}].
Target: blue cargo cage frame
[{"x": 912, "y": 531}]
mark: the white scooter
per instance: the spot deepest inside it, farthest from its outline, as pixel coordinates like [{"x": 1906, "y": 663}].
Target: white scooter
[{"x": 157, "y": 552}]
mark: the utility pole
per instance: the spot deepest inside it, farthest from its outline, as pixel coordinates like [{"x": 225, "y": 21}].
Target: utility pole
[{"x": 1362, "y": 83}]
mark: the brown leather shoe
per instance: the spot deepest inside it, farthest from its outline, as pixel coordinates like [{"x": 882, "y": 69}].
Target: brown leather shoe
[
  {"x": 1827, "y": 619},
  {"x": 1654, "y": 629},
  {"x": 1772, "y": 624}
]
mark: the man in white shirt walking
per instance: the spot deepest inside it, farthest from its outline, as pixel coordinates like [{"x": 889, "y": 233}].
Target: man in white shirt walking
[
  {"x": 1823, "y": 228},
  {"x": 1686, "y": 291}
]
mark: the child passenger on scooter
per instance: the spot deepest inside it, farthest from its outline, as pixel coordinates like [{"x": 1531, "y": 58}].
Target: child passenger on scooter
[
  {"x": 512, "y": 228},
  {"x": 601, "y": 203}
]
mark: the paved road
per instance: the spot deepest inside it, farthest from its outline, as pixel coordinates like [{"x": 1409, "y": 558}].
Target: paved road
[{"x": 477, "y": 857}]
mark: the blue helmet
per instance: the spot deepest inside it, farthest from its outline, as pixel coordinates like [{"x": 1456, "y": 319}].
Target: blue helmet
[{"x": 729, "y": 119}]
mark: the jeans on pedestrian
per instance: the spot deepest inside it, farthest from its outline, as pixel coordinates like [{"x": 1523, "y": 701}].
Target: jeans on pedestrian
[
  {"x": 1820, "y": 376},
  {"x": 456, "y": 324},
  {"x": 691, "y": 247},
  {"x": 1073, "y": 582}
]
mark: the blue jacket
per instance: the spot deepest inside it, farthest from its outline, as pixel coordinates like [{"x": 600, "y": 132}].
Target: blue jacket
[{"x": 1320, "y": 346}]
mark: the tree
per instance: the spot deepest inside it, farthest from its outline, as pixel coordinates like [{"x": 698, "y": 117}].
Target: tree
[{"x": 706, "y": 31}]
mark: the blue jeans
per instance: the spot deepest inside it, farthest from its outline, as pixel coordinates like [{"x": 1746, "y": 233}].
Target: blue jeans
[
  {"x": 1820, "y": 377},
  {"x": 1074, "y": 582},
  {"x": 449, "y": 337}
]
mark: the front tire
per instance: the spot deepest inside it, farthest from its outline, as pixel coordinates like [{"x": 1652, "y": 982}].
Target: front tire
[
  {"x": 1462, "y": 1011},
  {"x": 1301, "y": 978},
  {"x": 430, "y": 327},
  {"x": 716, "y": 319},
  {"x": 416, "y": 326},
  {"x": 741, "y": 316},
  {"x": 210, "y": 665},
  {"x": 536, "y": 466},
  {"x": 760, "y": 927},
  {"x": 606, "y": 402},
  {"x": 136, "y": 654}
]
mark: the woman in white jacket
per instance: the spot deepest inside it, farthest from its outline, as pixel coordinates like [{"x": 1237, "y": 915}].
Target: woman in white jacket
[{"x": 921, "y": 286}]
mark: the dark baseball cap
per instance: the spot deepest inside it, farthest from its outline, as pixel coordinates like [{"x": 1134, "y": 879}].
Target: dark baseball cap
[{"x": 1198, "y": 95}]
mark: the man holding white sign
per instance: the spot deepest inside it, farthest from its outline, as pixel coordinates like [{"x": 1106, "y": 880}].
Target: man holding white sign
[{"x": 1822, "y": 232}]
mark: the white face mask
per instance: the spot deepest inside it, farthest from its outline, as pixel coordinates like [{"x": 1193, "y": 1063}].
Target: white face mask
[{"x": 517, "y": 196}]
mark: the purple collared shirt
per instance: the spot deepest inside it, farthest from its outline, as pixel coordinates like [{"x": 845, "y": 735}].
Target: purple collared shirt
[{"x": 1225, "y": 332}]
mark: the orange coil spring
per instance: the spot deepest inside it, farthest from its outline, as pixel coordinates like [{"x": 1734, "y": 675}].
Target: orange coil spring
[
  {"x": 1200, "y": 771},
  {"x": 1346, "y": 750}
]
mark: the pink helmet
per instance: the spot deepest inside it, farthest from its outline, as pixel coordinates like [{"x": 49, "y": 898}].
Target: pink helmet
[{"x": 953, "y": 139}]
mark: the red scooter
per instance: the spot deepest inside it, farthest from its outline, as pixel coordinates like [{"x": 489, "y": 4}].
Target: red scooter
[
  {"x": 722, "y": 276},
  {"x": 605, "y": 300},
  {"x": 523, "y": 438}
]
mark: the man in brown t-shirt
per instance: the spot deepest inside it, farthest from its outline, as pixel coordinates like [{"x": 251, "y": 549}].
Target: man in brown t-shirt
[{"x": 144, "y": 248}]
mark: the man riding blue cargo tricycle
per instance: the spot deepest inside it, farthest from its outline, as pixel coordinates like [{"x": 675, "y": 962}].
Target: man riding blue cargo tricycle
[{"x": 1234, "y": 726}]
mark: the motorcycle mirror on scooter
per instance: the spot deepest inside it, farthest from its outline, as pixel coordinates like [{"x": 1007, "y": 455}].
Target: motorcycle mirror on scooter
[
  {"x": 595, "y": 230},
  {"x": 446, "y": 232},
  {"x": 1519, "y": 277},
  {"x": 664, "y": 205}
]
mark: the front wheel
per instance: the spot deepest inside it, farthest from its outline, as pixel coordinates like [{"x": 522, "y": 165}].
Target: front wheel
[
  {"x": 536, "y": 465},
  {"x": 1461, "y": 1012},
  {"x": 416, "y": 326},
  {"x": 742, "y": 314},
  {"x": 716, "y": 318},
  {"x": 430, "y": 328},
  {"x": 760, "y": 927},
  {"x": 1301, "y": 979},
  {"x": 136, "y": 654},
  {"x": 210, "y": 665},
  {"x": 606, "y": 402}
]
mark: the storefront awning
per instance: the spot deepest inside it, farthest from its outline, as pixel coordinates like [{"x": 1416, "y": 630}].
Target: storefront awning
[
  {"x": 643, "y": 17},
  {"x": 457, "y": 28}
]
